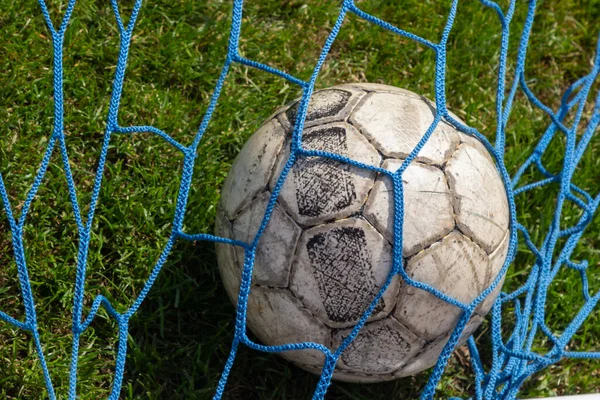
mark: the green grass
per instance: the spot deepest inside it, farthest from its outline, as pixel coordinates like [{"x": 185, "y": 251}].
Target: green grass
[{"x": 180, "y": 338}]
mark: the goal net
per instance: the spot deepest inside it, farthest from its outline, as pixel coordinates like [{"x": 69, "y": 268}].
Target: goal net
[{"x": 513, "y": 356}]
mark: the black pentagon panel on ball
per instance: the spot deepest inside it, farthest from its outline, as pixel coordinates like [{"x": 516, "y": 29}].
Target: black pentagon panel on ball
[
  {"x": 325, "y": 106},
  {"x": 320, "y": 189},
  {"x": 338, "y": 270},
  {"x": 324, "y": 186},
  {"x": 322, "y": 105},
  {"x": 341, "y": 266},
  {"x": 381, "y": 347}
]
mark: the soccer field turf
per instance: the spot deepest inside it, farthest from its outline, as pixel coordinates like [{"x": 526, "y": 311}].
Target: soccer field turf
[{"x": 181, "y": 336}]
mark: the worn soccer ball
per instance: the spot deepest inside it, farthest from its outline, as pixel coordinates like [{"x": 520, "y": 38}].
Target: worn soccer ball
[{"x": 327, "y": 248}]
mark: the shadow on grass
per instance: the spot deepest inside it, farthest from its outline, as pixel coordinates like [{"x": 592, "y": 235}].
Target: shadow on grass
[{"x": 181, "y": 338}]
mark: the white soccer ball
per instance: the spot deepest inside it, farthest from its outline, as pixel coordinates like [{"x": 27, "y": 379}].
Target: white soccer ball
[{"x": 328, "y": 246}]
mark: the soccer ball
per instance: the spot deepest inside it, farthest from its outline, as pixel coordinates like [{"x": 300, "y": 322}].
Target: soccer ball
[{"x": 327, "y": 248}]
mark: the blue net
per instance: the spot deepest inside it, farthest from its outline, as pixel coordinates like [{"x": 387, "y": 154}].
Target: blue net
[{"x": 513, "y": 358}]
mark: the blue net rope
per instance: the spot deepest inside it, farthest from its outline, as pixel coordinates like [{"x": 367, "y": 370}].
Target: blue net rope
[{"x": 513, "y": 359}]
